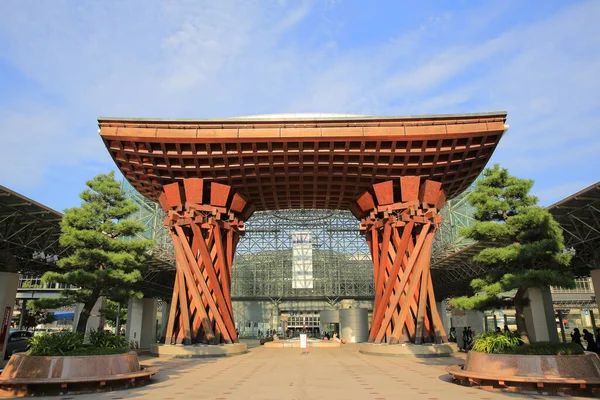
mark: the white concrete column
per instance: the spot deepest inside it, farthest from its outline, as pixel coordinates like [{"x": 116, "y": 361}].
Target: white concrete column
[
  {"x": 96, "y": 320},
  {"x": 466, "y": 318},
  {"x": 149, "y": 324},
  {"x": 539, "y": 315},
  {"x": 164, "y": 319},
  {"x": 475, "y": 319},
  {"x": 441, "y": 307},
  {"x": 141, "y": 322},
  {"x": 133, "y": 327},
  {"x": 275, "y": 318},
  {"x": 8, "y": 293}
]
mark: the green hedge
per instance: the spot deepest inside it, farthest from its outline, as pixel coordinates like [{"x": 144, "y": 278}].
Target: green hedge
[
  {"x": 508, "y": 343},
  {"x": 548, "y": 349},
  {"x": 72, "y": 344},
  {"x": 496, "y": 342}
]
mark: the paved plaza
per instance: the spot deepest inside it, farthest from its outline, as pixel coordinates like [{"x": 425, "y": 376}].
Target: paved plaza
[{"x": 279, "y": 374}]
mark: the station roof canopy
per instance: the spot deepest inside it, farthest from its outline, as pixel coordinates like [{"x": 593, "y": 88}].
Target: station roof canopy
[
  {"x": 29, "y": 232},
  {"x": 579, "y": 216},
  {"x": 303, "y": 161}
]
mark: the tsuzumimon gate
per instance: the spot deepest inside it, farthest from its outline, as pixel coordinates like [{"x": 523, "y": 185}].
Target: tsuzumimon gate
[{"x": 393, "y": 173}]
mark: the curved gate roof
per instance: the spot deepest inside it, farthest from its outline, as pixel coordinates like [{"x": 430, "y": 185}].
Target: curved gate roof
[{"x": 303, "y": 161}]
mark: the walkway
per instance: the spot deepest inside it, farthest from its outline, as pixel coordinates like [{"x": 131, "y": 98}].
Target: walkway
[{"x": 293, "y": 374}]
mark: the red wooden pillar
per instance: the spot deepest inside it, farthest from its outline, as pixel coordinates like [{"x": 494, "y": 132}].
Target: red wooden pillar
[
  {"x": 400, "y": 236},
  {"x": 205, "y": 226}
]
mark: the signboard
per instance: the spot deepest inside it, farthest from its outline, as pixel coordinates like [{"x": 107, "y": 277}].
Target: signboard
[
  {"x": 303, "y": 341},
  {"x": 459, "y": 320},
  {"x": 5, "y": 326},
  {"x": 302, "y": 265}
]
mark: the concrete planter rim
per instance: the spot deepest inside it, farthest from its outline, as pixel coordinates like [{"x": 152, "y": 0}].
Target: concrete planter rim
[
  {"x": 576, "y": 368},
  {"x": 533, "y": 355},
  {"x": 24, "y": 354},
  {"x": 23, "y": 367}
]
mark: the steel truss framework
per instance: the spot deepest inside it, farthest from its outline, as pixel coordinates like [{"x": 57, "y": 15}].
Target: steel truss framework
[
  {"x": 342, "y": 266},
  {"x": 456, "y": 214},
  {"x": 579, "y": 217}
]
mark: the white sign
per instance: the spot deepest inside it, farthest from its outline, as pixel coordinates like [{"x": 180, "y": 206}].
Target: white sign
[
  {"x": 303, "y": 341},
  {"x": 302, "y": 265},
  {"x": 459, "y": 320}
]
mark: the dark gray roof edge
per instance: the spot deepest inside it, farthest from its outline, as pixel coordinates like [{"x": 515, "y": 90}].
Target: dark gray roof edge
[
  {"x": 271, "y": 119},
  {"x": 580, "y": 193},
  {"x": 28, "y": 200}
]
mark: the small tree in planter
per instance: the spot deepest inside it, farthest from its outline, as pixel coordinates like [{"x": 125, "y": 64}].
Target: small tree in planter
[
  {"x": 528, "y": 247},
  {"x": 100, "y": 265}
]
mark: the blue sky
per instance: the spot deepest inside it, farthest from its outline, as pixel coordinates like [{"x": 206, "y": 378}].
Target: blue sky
[{"x": 64, "y": 63}]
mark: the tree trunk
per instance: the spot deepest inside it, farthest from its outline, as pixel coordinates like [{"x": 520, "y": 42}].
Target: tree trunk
[
  {"x": 520, "y": 317},
  {"x": 86, "y": 311}
]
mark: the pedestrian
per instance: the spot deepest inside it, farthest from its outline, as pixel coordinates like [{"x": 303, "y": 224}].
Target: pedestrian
[
  {"x": 465, "y": 336},
  {"x": 471, "y": 335},
  {"x": 452, "y": 335},
  {"x": 506, "y": 330},
  {"x": 576, "y": 337},
  {"x": 498, "y": 330},
  {"x": 589, "y": 338}
]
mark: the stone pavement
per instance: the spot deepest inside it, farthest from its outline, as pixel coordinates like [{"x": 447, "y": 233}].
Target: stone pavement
[{"x": 330, "y": 374}]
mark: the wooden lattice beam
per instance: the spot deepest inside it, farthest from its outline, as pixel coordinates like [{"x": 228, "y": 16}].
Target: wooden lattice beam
[
  {"x": 205, "y": 234},
  {"x": 400, "y": 236}
]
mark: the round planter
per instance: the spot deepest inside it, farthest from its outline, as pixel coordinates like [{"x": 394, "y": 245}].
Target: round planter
[
  {"x": 198, "y": 350},
  {"x": 550, "y": 374},
  {"x": 22, "y": 366},
  {"x": 585, "y": 366},
  {"x": 31, "y": 375}
]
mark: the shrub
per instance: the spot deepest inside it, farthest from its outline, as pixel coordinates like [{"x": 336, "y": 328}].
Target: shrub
[
  {"x": 496, "y": 342},
  {"x": 501, "y": 343},
  {"x": 549, "y": 349},
  {"x": 55, "y": 345},
  {"x": 72, "y": 344},
  {"x": 107, "y": 340}
]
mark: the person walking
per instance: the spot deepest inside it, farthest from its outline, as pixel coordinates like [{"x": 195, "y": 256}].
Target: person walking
[
  {"x": 576, "y": 337},
  {"x": 471, "y": 334},
  {"x": 589, "y": 338},
  {"x": 465, "y": 336},
  {"x": 452, "y": 335}
]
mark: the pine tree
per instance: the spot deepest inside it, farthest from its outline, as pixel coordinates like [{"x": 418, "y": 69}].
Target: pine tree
[
  {"x": 100, "y": 264},
  {"x": 526, "y": 245}
]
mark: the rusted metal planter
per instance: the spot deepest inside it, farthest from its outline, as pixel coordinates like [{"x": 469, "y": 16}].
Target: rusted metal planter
[
  {"x": 26, "y": 374},
  {"x": 529, "y": 371}
]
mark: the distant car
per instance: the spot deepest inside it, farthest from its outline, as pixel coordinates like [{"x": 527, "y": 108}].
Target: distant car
[
  {"x": 43, "y": 331},
  {"x": 17, "y": 341}
]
